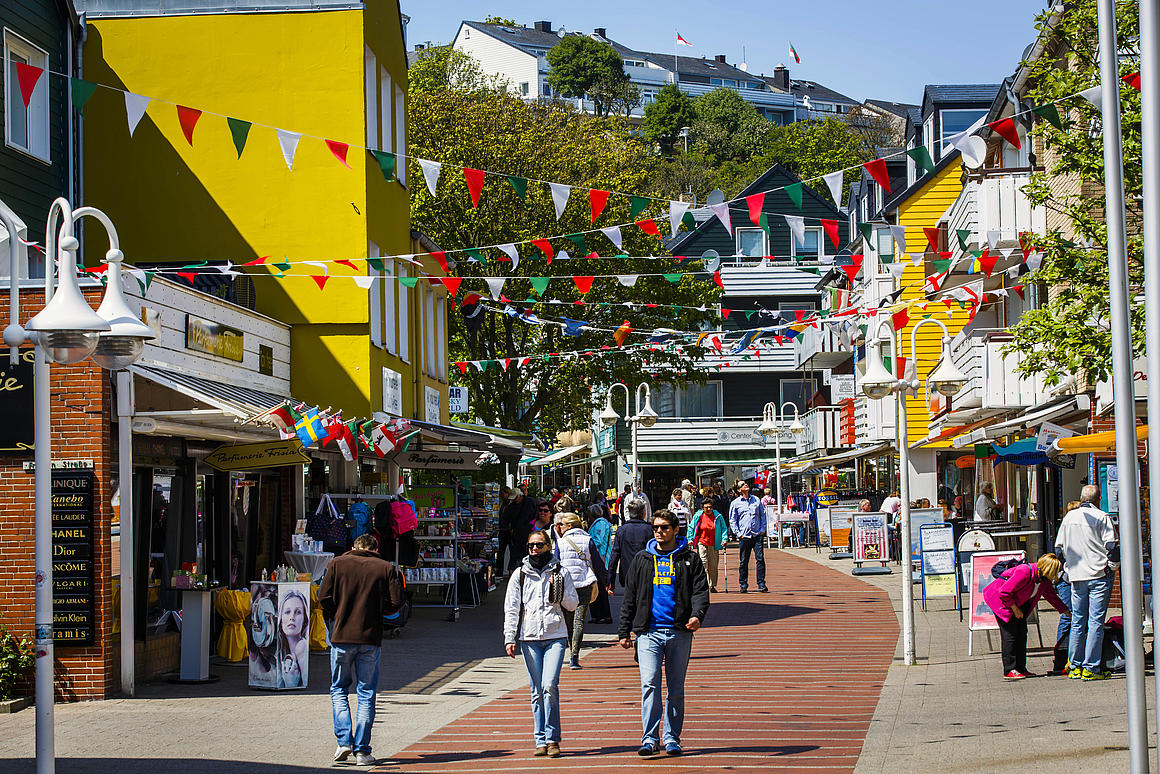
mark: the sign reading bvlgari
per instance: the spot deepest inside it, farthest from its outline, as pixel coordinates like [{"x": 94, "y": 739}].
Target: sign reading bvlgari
[
  {"x": 73, "y": 571},
  {"x": 265, "y": 454},
  {"x": 213, "y": 338}
]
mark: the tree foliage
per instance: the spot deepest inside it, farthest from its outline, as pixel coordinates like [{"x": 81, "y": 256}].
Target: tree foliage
[
  {"x": 665, "y": 117},
  {"x": 584, "y": 67},
  {"x": 1070, "y": 331},
  {"x": 501, "y": 20},
  {"x": 727, "y": 127},
  {"x": 444, "y": 67}
]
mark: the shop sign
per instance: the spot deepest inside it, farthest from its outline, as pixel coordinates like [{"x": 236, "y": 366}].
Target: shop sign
[
  {"x": 965, "y": 461},
  {"x": 250, "y": 456},
  {"x": 436, "y": 460},
  {"x": 827, "y": 497},
  {"x": 1048, "y": 432},
  {"x": 431, "y": 407},
  {"x": 17, "y": 433},
  {"x": 457, "y": 400},
  {"x": 73, "y": 564},
  {"x": 214, "y": 338},
  {"x": 30, "y": 467},
  {"x": 870, "y": 538},
  {"x": 392, "y": 392},
  {"x": 745, "y": 438},
  {"x": 841, "y": 388}
]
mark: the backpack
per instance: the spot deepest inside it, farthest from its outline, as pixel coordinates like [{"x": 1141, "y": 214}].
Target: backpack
[
  {"x": 403, "y": 517},
  {"x": 1005, "y": 565}
]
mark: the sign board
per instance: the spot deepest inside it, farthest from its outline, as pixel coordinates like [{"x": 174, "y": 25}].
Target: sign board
[
  {"x": 279, "y": 618},
  {"x": 827, "y": 497},
  {"x": 17, "y": 433},
  {"x": 392, "y": 392},
  {"x": 457, "y": 400},
  {"x": 937, "y": 546},
  {"x": 740, "y": 438},
  {"x": 1048, "y": 432},
  {"x": 841, "y": 388},
  {"x": 250, "y": 456},
  {"x": 870, "y": 544},
  {"x": 431, "y": 407},
  {"x": 74, "y": 589},
  {"x": 982, "y": 617},
  {"x": 30, "y": 467},
  {"x": 841, "y": 525},
  {"x": 437, "y": 460},
  {"x": 918, "y": 517},
  {"x": 214, "y": 338}
]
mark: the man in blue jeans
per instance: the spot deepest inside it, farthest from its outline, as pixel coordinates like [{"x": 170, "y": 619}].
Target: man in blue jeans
[
  {"x": 666, "y": 597},
  {"x": 357, "y": 589},
  {"x": 747, "y": 520}
]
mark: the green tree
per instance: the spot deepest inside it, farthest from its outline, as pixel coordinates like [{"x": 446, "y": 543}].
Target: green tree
[
  {"x": 494, "y": 130},
  {"x": 664, "y": 118},
  {"x": 727, "y": 127},
  {"x": 811, "y": 149},
  {"x": 583, "y": 67},
  {"x": 1070, "y": 332},
  {"x": 493, "y": 19},
  {"x": 444, "y": 67}
]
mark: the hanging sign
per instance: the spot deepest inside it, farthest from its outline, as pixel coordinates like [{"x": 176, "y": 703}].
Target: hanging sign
[
  {"x": 437, "y": 460},
  {"x": 827, "y": 498},
  {"x": 457, "y": 402},
  {"x": 74, "y": 618},
  {"x": 17, "y": 432},
  {"x": 250, "y": 456}
]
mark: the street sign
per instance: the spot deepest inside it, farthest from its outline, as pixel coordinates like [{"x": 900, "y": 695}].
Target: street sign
[{"x": 457, "y": 402}]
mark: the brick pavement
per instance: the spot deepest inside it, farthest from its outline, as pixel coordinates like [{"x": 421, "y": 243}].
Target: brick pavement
[{"x": 778, "y": 682}]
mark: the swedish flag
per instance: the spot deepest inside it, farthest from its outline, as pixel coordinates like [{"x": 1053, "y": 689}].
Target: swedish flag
[{"x": 309, "y": 428}]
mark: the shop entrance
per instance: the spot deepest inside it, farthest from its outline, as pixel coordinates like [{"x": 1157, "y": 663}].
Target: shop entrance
[{"x": 256, "y": 526}]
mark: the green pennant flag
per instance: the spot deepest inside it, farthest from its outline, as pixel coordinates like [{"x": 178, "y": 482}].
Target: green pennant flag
[
  {"x": 540, "y": 284},
  {"x": 376, "y": 263},
  {"x": 240, "y": 130},
  {"x": 386, "y": 163},
  {"x": 81, "y": 91},
  {"x": 922, "y": 157},
  {"x": 749, "y": 314},
  {"x": 581, "y": 245},
  {"x": 146, "y": 282},
  {"x": 941, "y": 265},
  {"x": 976, "y": 253},
  {"x": 963, "y": 234},
  {"x": 409, "y": 282},
  {"x": 927, "y": 316},
  {"x": 1049, "y": 113},
  {"x": 284, "y": 266},
  {"x": 688, "y": 221},
  {"x": 863, "y": 328},
  {"x": 673, "y": 278},
  {"x": 794, "y": 192},
  {"x": 887, "y": 258},
  {"x": 810, "y": 269},
  {"x": 520, "y": 184},
  {"x": 638, "y": 205},
  {"x": 477, "y": 254},
  {"x": 763, "y": 222},
  {"x": 867, "y": 231}
]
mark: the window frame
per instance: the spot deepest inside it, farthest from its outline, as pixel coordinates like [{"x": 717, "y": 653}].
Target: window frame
[
  {"x": 38, "y": 106},
  {"x": 821, "y": 249},
  {"x": 737, "y": 233}
]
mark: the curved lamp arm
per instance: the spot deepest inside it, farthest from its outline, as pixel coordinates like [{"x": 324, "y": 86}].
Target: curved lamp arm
[
  {"x": 611, "y": 389},
  {"x": 946, "y": 337},
  {"x": 647, "y": 399}
]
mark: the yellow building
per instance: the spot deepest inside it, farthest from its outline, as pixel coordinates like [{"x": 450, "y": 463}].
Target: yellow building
[{"x": 322, "y": 69}]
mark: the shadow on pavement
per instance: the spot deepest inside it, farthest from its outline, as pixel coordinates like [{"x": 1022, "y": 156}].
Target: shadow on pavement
[
  {"x": 168, "y": 765},
  {"x": 723, "y": 614}
]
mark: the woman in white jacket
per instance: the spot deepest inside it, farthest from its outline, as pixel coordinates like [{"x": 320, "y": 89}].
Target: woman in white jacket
[
  {"x": 578, "y": 555},
  {"x": 538, "y": 593}
]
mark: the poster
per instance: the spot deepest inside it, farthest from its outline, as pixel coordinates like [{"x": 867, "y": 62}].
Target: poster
[
  {"x": 982, "y": 617},
  {"x": 870, "y": 537},
  {"x": 937, "y": 546},
  {"x": 73, "y": 569},
  {"x": 279, "y": 635},
  {"x": 841, "y": 525},
  {"x": 919, "y": 517}
]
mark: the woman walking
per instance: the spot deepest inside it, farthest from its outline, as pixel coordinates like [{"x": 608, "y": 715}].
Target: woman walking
[
  {"x": 1011, "y": 598},
  {"x": 578, "y": 555},
  {"x": 707, "y": 532},
  {"x": 600, "y": 530},
  {"x": 679, "y": 508},
  {"x": 538, "y": 594}
]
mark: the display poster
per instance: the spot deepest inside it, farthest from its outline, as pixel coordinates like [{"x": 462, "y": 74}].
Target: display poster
[
  {"x": 870, "y": 538},
  {"x": 919, "y": 517},
  {"x": 982, "y": 617},
  {"x": 841, "y": 525},
  {"x": 73, "y": 565},
  {"x": 824, "y": 525},
  {"x": 937, "y": 546},
  {"x": 457, "y": 402},
  {"x": 279, "y": 635}
]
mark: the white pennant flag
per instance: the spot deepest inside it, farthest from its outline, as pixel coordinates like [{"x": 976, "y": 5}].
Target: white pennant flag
[
  {"x": 1010, "y": 252},
  {"x": 677, "y": 211},
  {"x": 510, "y": 251},
  {"x": 797, "y": 225},
  {"x": 562, "y": 255},
  {"x": 992, "y": 238},
  {"x": 722, "y": 212},
  {"x": 1092, "y": 95},
  {"x": 1034, "y": 260},
  {"x": 431, "y": 173},
  {"x": 628, "y": 280},
  {"x": 364, "y": 282},
  {"x": 495, "y": 285},
  {"x": 135, "y": 106},
  {"x": 320, "y": 264},
  {"x": 478, "y": 364},
  {"x": 898, "y": 233},
  {"x": 613, "y": 233},
  {"x": 289, "y": 142},
  {"x": 916, "y": 259},
  {"x": 560, "y": 194},
  {"x": 897, "y": 269},
  {"x": 504, "y": 362},
  {"x": 834, "y": 183}
]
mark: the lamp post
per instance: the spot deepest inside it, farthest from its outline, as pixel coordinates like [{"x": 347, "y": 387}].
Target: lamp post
[
  {"x": 66, "y": 331},
  {"x": 771, "y": 417},
  {"x": 644, "y": 416},
  {"x": 945, "y": 379}
]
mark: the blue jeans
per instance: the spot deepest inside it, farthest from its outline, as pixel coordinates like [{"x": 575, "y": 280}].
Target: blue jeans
[
  {"x": 1089, "y": 605},
  {"x": 672, "y": 648},
  {"x": 543, "y": 659},
  {"x": 354, "y": 664},
  {"x": 756, "y": 546},
  {"x": 1063, "y": 589}
]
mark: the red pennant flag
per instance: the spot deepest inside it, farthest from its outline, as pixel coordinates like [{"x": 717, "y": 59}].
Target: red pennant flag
[
  {"x": 188, "y": 117},
  {"x": 545, "y": 248},
  {"x": 799, "y": 314},
  {"x": 1005, "y": 128},
  {"x": 756, "y": 202},
  {"x": 831, "y": 227},
  {"x": 583, "y": 284},
  {"x": 649, "y": 226},
  {"x": 461, "y": 366},
  {"x": 856, "y": 260},
  {"x": 189, "y": 276},
  {"x": 852, "y": 271},
  {"x": 320, "y": 279},
  {"x": 621, "y": 333},
  {"x": 452, "y": 284},
  {"x": 1132, "y": 79},
  {"x": 474, "y": 178},
  {"x": 339, "y": 149},
  {"x": 717, "y": 279},
  {"x": 988, "y": 261},
  {"x": 256, "y": 261},
  {"x": 470, "y": 298},
  {"x": 442, "y": 258},
  {"x": 346, "y": 262},
  {"x": 596, "y": 201},
  {"x": 27, "y": 76},
  {"x": 877, "y": 170},
  {"x": 1019, "y": 290},
  {"x": 725, "y": 313},
  {"x": 931, "y": 237},
  {"x": 1023, "y": 244},
  {"x": 899, "y": 320}
]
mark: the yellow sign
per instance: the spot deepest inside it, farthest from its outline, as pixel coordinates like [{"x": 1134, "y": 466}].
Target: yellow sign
[
  {"x": 249, "y": 456},
  {"x": 940, "y": 585},
  {"x": 214, "y": 338},
  {"x": 827, "y": 497}
]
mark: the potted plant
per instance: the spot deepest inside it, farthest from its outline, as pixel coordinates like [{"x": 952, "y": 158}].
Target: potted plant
[{"x": 17, "y": 659}]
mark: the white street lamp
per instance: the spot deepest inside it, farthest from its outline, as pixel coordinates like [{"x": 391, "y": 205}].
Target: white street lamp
[
  {"x": 945, "y": 379},
  {"x": 644, "y": 416},
  {"x": 770, "y": 418}
]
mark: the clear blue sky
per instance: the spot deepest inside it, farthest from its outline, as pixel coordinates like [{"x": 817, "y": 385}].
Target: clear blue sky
[{"x": 882, "y": 49}]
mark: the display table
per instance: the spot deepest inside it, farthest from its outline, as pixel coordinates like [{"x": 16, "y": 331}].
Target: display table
[
  {"x": 314, "y": 563},
  {"x": 195, "y": 621},
  {"x": 232, "y": 605}
]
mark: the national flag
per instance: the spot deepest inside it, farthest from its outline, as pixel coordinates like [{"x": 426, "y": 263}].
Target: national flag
[
  {"x": 382, "y": 441},
  {"x": 309, "y": 428},
  {"x": 284, "y": 417},
  {"x": 794, "y": 55},
  {"x": 682, "y": 42},
  {"x": 346, "y": 442},
  {"x": 333, "y": 425}
]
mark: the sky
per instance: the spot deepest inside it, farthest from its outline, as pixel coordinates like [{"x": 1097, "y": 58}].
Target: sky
[{"x": 865, "y": 49}]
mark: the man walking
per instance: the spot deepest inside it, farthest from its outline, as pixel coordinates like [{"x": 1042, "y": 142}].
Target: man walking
[
  {"x": 665, "y": 601},
  {"x": 747, "y": 520},
  {"x": 630, "y": 539},
  {"x": 1087, "y": 542},
  {"x": 357, "y": 589}
]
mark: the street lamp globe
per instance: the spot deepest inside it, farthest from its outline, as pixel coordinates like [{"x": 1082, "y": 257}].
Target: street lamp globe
[
  {"x": 798, "y": 427},
  {"x": 123, "y": 343},
  {"x": 767, "y": 427},
  {"x": 646, "y": 416},
  {"x": 945, "y": 378},
  {"x": 67, "y": 327},
  {"x": 608, "y": 417},
  {"x": 878, "y": 382}
]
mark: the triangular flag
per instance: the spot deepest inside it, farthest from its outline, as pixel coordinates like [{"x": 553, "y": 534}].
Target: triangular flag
[
  {"x": 613, "y": 233},
  {"x": 408, "y": 282},
  {"x": 1049, "y": 113},
  {"x": 621, "y": 333},
  {"x": 187, "y": 117},
  {"x": 877, "y": 170},
  {"x": 963, "y": 234},
  {"x": 897, "y": 270},
  {"x": 495, "y": 285},
  {"x": 993, "y": 238},
  {"x": 755, "y": 202},
  {"x": 387, "y": 162},
  {"x": 1132, "y": 79},
  {"x": 987, "y": 262},
  {"x": 867, "y": 231},
  {"x": 922, "y": 158},
  {"x": 546, "y": 248},
  {"x": 1019, "y": 290},
  {"x": 363, "y": 282},
  {"x": 474, "y": 178},
  {"x": 452, "y": 284},
  {"x": 797, "y": 227},
  {"x": 346, "y": 262},
  {"x": 851, "y": 270},
  {"x": 135, "y": 105},
  {"x": 916, "y": 259},
  {"x": 560, "y": 194},
  {"x": 637, "y": 205},
  {"x": 898, "y": 233},
  {"x": 673, "y": 278},
  {"x": 375, "y": 263},
  {"x": 475, "y": 255},
  {"x": 539, "y": 284},
  {"x": 899, "y": 319},
  {"x": 239, "y": 130},
  {"x": 441, "y": 257},
  {"x": 722, "y": 212},
  {"x": 1092, "y": 95},
  {"x": 431, "y": 171},
  {"x": 649, "y": 226},
  {"x": 320, "y": 279},
  {"x": 718, "y": 280},
  {"x": 27, "y": 75},
  {"x": 520, "y": 184},
  {"x": 289, "y": 142},
  {"x": 931, "y": 237},
  {"x": 339, "y": 150},
  {"x": 583, "y": 284},
  {"x": 81, "y": 92},
  {"x": 1005, "y": 128},
  {"x": 794, "y": 192},
  {"x": 677, "y": 212},
  {"x": 834, "y": 183},
  {"x": 628, "y": 280},
  {"x": 596, "y": 201},
  {"x": 831, "y": 227},
  {"x": 510, "y": 251}
]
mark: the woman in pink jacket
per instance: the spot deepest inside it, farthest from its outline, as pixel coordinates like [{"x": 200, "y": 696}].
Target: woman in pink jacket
[{"x": 1012, "y": 596}]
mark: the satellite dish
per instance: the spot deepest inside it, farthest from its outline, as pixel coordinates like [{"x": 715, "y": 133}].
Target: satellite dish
[
  {"x": 711, "y": 260},
  {"x": 717, "y": 197}
]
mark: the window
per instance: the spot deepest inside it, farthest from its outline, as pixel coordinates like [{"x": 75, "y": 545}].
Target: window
[
  {"x": 427, "y": 315},
  {"x": 388, "y": 140},
  {"x": 664, "y": 400},
  {"x": 523, "y": 88},
  {"x": 441, "y": 338},
  {"x": 751, "y": 242},
  {"x": 812, "y": 246},
  {"x": 401, "y": 135},
  {"x": 753, "y": 85},
  {"x": 547, "y": 90},
  {"x": 885, "y": 241},
  {"x": 955, "y": 121},
  {"x": 404, "y": 314},
  {"x": 25, "y": 128},
  {"x": 372, "y": 98},
  {"x": 798, "y": 391},
  {"x": 392, "y": 392},
  {"x": 928, "y": 138},
  {"x": 375, "y": 301},
  {"x": 701, "y": 400},
  {"x": 389, "y": 292},
  {"x": 911, "y": 167}
]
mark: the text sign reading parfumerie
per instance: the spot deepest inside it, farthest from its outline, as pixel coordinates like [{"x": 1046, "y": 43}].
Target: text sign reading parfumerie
[
  {"x": 73, "y": 564},
  {"x": 251, "y": 456},
  {"x": 214, "y": 338}
]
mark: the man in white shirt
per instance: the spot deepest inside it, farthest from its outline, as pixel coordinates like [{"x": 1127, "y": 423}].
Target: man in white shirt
[
  {"x": 1087, "y": 543},
  {"x": 637, "y": 494},
  {"x": 985, "y": 503},
  {"x": 892, "y": 505}
]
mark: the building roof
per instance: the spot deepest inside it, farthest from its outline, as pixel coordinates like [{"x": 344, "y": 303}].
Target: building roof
[
  {"x": 105, "y": 8},
  {"x": 900, "y": 109},
  {"x": 815, "y": 90},
  {"x": 898, "y": 198},
  {"x": 526, "y": 38},
  {"x": 960, "y": 92},
  {"x": 698, "y": 66}
]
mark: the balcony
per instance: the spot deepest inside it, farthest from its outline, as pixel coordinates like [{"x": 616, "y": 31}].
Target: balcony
[
  {"x": 994, "y": 201},
  {"x": 752, "y": 277},
  {"x": 712, "y": 434},
  {"x": 992, "y": 383},
  {"x": 874, "y": 420},
  {"x": 819, "y": 348},
  {"x": 823, "y": 429}
]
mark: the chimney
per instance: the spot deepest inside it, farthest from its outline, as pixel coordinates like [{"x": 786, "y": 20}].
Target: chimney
[
  {"x": 720, "y": 58},
  {"x": 543, "y": 26},
  {"x": 781, "y": 77},
  {"x": 601, "y": 32}
]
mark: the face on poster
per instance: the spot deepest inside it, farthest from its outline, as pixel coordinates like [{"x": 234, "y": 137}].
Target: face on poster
[{"x": 279, "y": 642}]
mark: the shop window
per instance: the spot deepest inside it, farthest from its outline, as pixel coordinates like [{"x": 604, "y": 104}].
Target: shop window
[
  {"x": 799, "y": 392},
  {"x": 26, "y": 129}
]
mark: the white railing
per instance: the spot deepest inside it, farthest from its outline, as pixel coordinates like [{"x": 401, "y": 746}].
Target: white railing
[
  {"x": 711, "y": 434},
  {"x": 820, "y": 348},
  {"x": 823, "y": 429},
  {"x": 994, "y": 202},
  {"x": 992, "y": 382},
  {"x": 873, "y": 420}
]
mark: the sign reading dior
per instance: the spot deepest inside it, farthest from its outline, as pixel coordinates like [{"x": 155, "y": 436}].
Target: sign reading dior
[{"x": 73, "y": 571}]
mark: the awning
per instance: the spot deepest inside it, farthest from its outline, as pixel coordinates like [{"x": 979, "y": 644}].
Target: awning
[
  {"x": 1058, "y": 411},
  {"x": 955, "y": 431},
  {"x": 587, "y": 460},
  {"x": 241, "y": 402},
  {"x": 1093, "y": 442},
  {"x": 707, "y": 457},
  {"x": 561, "y": 454},
  {"x": 512, "y": 435},
  {"x": 468, "y": 439},
  {"x": 802, "y": 466}
]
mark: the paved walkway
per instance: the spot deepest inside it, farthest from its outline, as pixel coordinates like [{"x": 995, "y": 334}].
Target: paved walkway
[{"x": 781, "y": 681}]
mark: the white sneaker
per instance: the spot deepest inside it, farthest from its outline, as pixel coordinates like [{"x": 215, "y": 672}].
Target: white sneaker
[
  {"x": 341, "y": 754},
  {"x": 364, "y": 759}
]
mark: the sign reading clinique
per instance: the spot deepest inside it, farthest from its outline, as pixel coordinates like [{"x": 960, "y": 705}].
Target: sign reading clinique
[{"x": 73, "y": 563}]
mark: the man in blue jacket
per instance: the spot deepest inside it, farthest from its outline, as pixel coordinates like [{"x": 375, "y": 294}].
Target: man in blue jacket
[
  {"x": 665, "y": 601},
  {"x": 747, "y": 521}
]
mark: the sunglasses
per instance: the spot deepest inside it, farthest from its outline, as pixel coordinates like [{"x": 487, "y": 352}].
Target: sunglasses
[
  {"x": 534, "y": 546},
  {"x": 661, "y": 527}
]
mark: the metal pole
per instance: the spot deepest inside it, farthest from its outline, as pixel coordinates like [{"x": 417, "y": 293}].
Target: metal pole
[
  {"x": 908, "y": 653},
  {"x": 1150, "y": 141},
  {"x": 128, "y": 569},
  {"x": 1126, "y": 461},
  {"x": 45, "y": 743}
]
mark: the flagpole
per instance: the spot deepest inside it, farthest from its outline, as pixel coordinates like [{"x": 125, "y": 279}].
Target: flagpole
[{"x": 676, "y": 72}]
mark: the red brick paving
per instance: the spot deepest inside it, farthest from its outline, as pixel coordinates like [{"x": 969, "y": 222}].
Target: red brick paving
[{"x": 782, "y": 682}]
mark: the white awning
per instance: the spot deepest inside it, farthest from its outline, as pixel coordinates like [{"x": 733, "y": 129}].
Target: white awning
[
  {"x": 802, "y": 466},
  {"x": 559, "y": 455},
  {"x": 1051, "y": 412}
]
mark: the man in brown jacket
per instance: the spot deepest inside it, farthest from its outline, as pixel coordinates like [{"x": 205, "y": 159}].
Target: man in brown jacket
[{"x": 357, "y": 589}]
